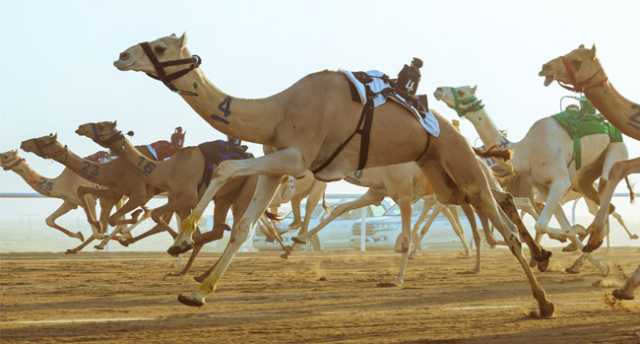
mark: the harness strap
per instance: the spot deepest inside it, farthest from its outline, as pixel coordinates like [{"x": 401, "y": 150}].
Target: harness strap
[
  {"x": 582, "y": 85},
  {"x": 159, "y": 67},
  {"x": 13, "y": 164}
]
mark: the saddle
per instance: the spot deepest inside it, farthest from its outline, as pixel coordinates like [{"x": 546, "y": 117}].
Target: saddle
[
  {"x": 215, "y": 152},
  {"x": 161, "y": 150},
  {"x": 100, "y": 157},
  {"x": 579, "y": 124}
]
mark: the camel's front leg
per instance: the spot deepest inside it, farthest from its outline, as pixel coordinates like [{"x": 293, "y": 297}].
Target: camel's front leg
[
  {"x": 593, "y": 210},
  {"x": 427, "y": 204},
  {"x": 288, "y": 161},
  {"x": 619, "y": 170},
  {"x": 63, "y": 209},
  {"x": 265, "y": 190},
  {"x": 451, "y": 213},
  {"x": 312, "y": 201},
  {"x": 403, "y": 243}
]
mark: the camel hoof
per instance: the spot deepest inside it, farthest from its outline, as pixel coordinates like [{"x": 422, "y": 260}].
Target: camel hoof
[
  {"x": 621, "y": 295},
  {"x": 299, "y": 240},
  {"x": 98, "y": 247},
  {"x": 386, "y": 285},
  {"x": 177, "y": 249},
  {"x": 543, "y": 262},
  {"x": 284, "y": 255},
  {"x": 634, "y": 237},
  {"x": 592, "y": 245},
  {"x": 547, "y": 310},
  {"x": 572, "y": 270},
  {"x": 79, "y": 236},
  {"x": 191, "y": 300},
  {"x": 70, "y": 251}
]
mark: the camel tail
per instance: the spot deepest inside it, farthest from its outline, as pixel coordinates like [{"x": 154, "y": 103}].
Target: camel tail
[
  {"x": 272, "y": 216},
  {"x": 494, "y": 152},
  {"x": 632, "y": 195}
]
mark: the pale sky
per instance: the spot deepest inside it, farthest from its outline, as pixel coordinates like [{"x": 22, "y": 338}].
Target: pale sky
[{"x": 57, "y": 72}]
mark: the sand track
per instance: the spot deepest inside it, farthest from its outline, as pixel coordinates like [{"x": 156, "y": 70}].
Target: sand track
[{"x": 123, "y": 297}]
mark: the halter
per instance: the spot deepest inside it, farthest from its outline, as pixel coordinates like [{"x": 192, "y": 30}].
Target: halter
[
  {"x": 159, "y": 67},
  {"x": 13, "y": 164},
  {"x": 583, "y": 85},
  {"x": 465, "y": 105},
  {"x": 105, "y": 142}
]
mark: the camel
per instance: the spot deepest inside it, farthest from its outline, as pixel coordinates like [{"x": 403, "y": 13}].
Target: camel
[
  {"x": 544, "y": 159},
  {"x": 311, "y": 125},
  {"x": 64, "y": 186},
  {"x": 581, "y": 71},
  {"x": 627, "y": 291},
  {"x": 114, "y": 178}
]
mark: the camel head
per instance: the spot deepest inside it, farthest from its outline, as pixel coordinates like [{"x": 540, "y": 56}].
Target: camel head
[
  {"x": 46, "y": 147},
  {"x": 580, "y": 69},
  {"x": 9, "y": 159},
  {"x": 102, "y": 133},
  {"x": 461, "y": 99},
  {"x": 168, "y": 48}
]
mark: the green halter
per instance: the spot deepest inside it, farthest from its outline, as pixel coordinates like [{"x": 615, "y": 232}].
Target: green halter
[{"x": 463, "y": 106}]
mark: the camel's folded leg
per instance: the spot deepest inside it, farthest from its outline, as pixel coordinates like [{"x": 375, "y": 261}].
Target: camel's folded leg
[
  {"x": 451, "y": 213},
  {"x": 632, "y": 283},
  {"x": 81, "y": 246},
  {"x": 123, "y": 230},
  {"x": 64, "y": 208}
]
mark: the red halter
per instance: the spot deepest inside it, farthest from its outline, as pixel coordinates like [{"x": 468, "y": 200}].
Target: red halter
[{"x": 581, "y": 86}]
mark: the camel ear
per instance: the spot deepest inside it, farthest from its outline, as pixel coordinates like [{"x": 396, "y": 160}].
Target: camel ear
[
  {"x": 54, "y": 136},
  {"x": 581, "y": 46},
  {"x": 183, "y": 40},
  {"x": 593, "y": 51},
  {"x": 474, "y": 88},
  {"x": 173, "y": 35},
  {"x": 115, "y": 123}
]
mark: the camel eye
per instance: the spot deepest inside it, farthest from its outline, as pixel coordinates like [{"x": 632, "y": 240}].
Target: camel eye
[
  {"x": 158, "y": 49},
  {"x": 576, "y": 64}
]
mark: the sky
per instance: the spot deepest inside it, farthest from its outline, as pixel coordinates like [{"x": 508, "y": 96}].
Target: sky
[{"x": 57, "y": 62}]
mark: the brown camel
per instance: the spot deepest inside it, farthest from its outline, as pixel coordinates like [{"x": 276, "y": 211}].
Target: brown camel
[
  {"x": 114, "y": 178},
  {"x": 311, "y": 125},
  {"x": 581, "y": 71}
]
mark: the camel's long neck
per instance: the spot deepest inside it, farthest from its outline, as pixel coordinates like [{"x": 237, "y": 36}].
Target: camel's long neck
[
  {"x": 87, "y": 169},
  {"x": 37, "y": 182},
  {"x": 489, "y": 133},
  {"x": 251, "y": 120},
  {"x": 146, "y": 166},
  {"x": 623, "y": 113}
]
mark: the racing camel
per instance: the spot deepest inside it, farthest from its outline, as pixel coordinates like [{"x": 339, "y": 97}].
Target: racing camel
[
  {"x": 311, "y": 125},
  {"x": 553, "y": 168},
  {"x": 581, "y": 71}
]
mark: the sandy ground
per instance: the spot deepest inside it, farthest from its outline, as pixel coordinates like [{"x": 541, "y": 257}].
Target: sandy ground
[{"x": 311, "y": 298}]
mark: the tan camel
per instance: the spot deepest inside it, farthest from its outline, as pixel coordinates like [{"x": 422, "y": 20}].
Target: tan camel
[
  {"x": 582, "y": 70},
  {"x": 64, "y": 186},
  {"x": 549, "y": 167},
  {"x": 627, "y": 291},
  {"x": 310, "y": 123},
  {"x": 114, "y": 178}
]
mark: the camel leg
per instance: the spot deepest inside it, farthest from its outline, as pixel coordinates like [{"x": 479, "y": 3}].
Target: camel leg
[
  {"x": 476, "y": 191},
  {"x": 158, "y": 228},
  {"x": 403, "y": 243},
  {"x": 427, "y": 225},
  {"x": 451, "y": 214},
  {"x": 123, "y": 231},
  {"x": 470, "y": 214},
  {"x": 83, "y": 193},
  {"x": 265, "y": 190},
  {"x": 106, "y": 204},
  {"x": 369, "y": 197},
  {"x": 486, "y": 228},
  {"x": 63, "y": 209},
  {"x": 626, "y": 292},
  {"x": 135, "y": 201},
  {"x": 575, "y": 268},
  {"x": 428, "y": 203},
  {"x": 619, "y": 170},
  {"x": 82, "y": 245},
  {"x": 295, "y": 209},
  {"x": 288, "y": 161},
  {"x": 312, "y": 201}
]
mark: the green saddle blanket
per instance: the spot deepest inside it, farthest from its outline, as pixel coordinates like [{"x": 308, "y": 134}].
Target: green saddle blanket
[{"x": 579, "y": 124}]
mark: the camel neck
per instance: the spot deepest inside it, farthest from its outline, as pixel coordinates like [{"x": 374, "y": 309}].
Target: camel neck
[
  {"x": 621, "y": 112},
  {"x": 37, "y": 182},
  {"x": 87, "y": 169},
  {"x": 147, "y": 167},
  {"x": 489, "y": 133},
  {"x": 252, "y": 120}
]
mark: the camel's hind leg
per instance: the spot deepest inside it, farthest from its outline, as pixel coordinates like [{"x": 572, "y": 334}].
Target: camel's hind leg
[
  {"x": 427, "y": 205},
  {"x": 312, "y": 201},
  {"x": 469, "y": 180},
  {"x": 265, "y": 189},
  {"x": 403, "y": 244},
  {"x": 288, "y": 161},
  {"x": 64, "y": 208},
  {"x": 626, "y": 292},
  {"x": 470, "y": 214}
]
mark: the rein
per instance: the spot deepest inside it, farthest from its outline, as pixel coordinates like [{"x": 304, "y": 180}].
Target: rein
[
  {"x": 465, "y": 105},
  {"x": 194, "y": 62},
  {"x": 13, "y": 164},
  {"x": 109, "y": 140},
  {"x": 582, "y": 85}
]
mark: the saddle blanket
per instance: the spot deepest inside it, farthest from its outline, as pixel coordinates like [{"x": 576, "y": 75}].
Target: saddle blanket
[{"x": 378, "y": 85}]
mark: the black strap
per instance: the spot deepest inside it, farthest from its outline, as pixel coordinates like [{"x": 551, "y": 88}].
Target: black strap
[{"x": 159, "y": 67}]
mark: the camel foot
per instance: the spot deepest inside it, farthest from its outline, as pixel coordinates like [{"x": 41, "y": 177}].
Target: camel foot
[
  {"x": 572, "y": 270},
  {"x": 620, "y": 294},
  {"x": 595, "y": 239},
  {"x": 633, "y": 237},
  {"x": 546, "y": 310},
  {"x": 78, "y": 235},
  {"x": 543, "y": 261},
  {"x": 71, "y": 251},
  {"x": 174, "y": 274},
  {"x": 387, "y": 285},
  {"x": 178, "y": 248},
  {"x": 200, "y": 278},
  {"x": 193, "y": 300},
  {"x": 570, "y": 248},
  {"x": 295, "y": 225},
  {"x": 99, "y": 247},
  {"x": 285, "y": 255}
]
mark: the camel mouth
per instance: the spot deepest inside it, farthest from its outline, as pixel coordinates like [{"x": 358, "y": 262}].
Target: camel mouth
[
  {"x": 548, "y": 79},
  {"x": 438, "y": 94},
  {"x": 78, "y": 131},
  {"x": 121, "y": 66}
]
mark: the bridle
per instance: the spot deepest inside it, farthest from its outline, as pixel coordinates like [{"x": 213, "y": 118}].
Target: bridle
[
  {"x": 13, "y": 164},
  {"x": 40, "y": 152},
  {"x": 463, "y": 106},
  {"x": 582, "y": 85},
  {"x": 194, "y": 62},
  {"x": 107, "y": 141}
]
